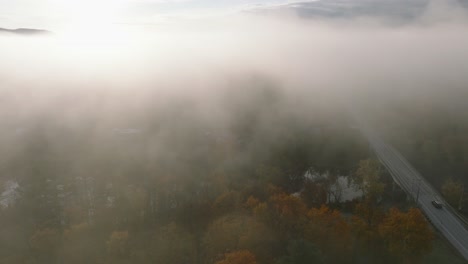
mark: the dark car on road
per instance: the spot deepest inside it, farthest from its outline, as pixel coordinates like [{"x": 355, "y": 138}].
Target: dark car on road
[{"x": 437, "y": 204}]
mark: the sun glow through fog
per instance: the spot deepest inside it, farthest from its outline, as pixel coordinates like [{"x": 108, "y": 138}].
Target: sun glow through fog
[{"x": 92, "y": 22}]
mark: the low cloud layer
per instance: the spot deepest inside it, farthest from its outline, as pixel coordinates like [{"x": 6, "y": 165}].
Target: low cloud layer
[{"x": 326, "y": 61}]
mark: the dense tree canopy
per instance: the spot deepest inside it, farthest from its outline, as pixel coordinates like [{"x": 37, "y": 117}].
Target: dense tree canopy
[{"x": 260, "y": 188}]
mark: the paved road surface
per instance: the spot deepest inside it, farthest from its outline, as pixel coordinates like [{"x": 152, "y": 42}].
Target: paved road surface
[{"x": 415, "y": 185}]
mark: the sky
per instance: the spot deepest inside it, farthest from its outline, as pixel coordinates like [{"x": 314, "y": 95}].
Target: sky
[
  {"x": 87, "y": 15},
  {"x": 56, "y": 14}
]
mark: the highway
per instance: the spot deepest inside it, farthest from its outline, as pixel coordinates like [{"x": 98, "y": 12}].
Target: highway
[{"x": 444, "y": 219}]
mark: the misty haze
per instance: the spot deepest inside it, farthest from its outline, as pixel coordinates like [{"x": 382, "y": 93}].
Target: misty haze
[{"x": 233, "y": 132}]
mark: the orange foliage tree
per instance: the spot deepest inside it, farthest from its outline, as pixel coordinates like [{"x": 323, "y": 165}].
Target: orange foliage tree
[
  {"x": 329, "y": 230},
  {"x": 407, "y": 235},
  {"x": 289, "y": 212},
  {"x": 239, "y": 232},
  {"x": 328, "y": 222}
]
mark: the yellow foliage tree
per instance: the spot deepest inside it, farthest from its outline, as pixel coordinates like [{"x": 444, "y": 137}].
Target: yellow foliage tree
[
  {"x": 368, "y": 177},
  {"x": 238, "y": 257}
]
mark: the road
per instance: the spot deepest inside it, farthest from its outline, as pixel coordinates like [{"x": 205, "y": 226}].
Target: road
[{"x": 415, "y": 185}]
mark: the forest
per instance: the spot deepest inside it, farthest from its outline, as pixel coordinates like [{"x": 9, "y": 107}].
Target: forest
[{"x": 266, "y": 185}]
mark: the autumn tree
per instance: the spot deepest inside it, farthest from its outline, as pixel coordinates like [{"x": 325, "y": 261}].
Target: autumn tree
[
  {"x": 226, "y": 202},
  {"x": 367, "y": 215},
  {"x": 368, "y": 178},
  {"x": 117, "y": 245},
  {"x": 301, "y": 251},
  {"x": 284, "y": 212},
  {"x": 329, "y": 230},
  {"x": 407, "y": 235},
  {"x": 238, "y": 257},
  {"x": 259, "y": 210},
  {"x": 314, "y": 193},
  {"x": 289, "y": 213},
  {"x": 173, "y": 244},
  {"x": 45, "y": 244},
  {"x": 238, "y": 232},
  {"x": 453, "y": 192},
  {"x": 270, "y": 174},
  {"x": 82, "y": 244},
  {"x": 365, "y": 221}
]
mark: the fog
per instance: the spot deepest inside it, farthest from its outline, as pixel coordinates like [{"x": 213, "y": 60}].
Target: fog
[
  {"x": 126, "y": 73},
  {"x": 119, "y": 78},
  {"x": 197, "y": 58},
  {"x": 138, "y": 106}
]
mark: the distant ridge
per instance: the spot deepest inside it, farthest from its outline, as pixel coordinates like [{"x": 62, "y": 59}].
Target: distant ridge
[
  {"x": 25, "y": 31},
  {"x": 396, "y": 12}
]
